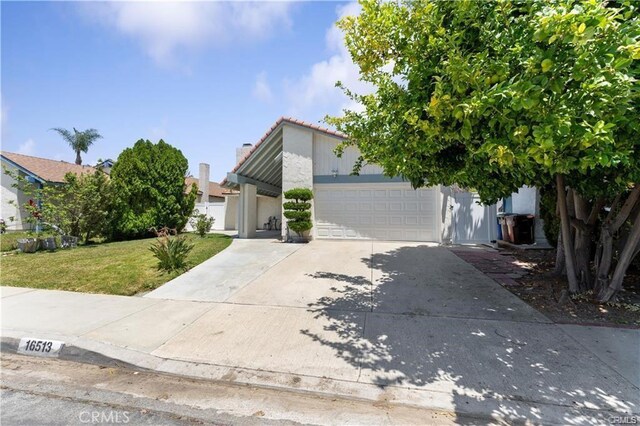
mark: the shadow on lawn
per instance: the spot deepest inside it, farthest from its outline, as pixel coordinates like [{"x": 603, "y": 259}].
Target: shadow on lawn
[{"x": 506, "y": 366}]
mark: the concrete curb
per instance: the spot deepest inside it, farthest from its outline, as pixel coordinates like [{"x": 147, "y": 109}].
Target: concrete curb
[{"x": 471, "y": 404}]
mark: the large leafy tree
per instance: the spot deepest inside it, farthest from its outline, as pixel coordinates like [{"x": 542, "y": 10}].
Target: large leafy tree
[
  {"x": 496, "y": 95},
  {"x": 149, "y": 186},
  {"x": 79, "y": 141}
]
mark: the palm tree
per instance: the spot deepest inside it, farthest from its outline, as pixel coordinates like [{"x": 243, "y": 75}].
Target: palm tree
[{"x": 79, "y": 141}]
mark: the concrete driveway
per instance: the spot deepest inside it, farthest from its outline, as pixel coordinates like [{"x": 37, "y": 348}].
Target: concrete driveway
[
  {"x": 216, "y": 279},
  {"x": 397, "y": 322}
]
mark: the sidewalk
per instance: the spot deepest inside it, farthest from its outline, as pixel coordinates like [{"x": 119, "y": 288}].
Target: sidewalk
[{"x": 357, "y": 337}]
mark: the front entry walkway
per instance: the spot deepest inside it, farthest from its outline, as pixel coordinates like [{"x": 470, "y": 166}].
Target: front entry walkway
[{"x": 230, "y": 270}]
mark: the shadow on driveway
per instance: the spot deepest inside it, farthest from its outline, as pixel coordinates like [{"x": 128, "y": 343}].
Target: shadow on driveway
[{"x": 434, "y": 322}]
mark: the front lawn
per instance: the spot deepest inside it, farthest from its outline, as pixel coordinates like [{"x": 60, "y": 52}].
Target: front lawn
[{"x": 123, "y": 268}]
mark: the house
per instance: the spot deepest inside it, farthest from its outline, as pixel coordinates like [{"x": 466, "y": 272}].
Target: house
[
  {"x": 293, "y": 153},
  {"x": 40, "y": 171},
  {"x": 105, "y": 165}
]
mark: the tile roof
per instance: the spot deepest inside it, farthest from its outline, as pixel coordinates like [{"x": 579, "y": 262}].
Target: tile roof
[
  {"x": 215, "y": 190},
  {"x": 280, "y": 121},
  {"x": 45, "y": 169}
]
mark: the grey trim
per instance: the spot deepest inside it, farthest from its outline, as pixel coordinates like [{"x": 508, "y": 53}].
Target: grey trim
[{"x": 356, "y": 179}]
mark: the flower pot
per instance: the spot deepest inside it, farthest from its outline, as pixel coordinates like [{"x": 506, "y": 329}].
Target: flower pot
[
  {"x": 48, "y": 243},
  {"x": 69, "y": 241},
  {"x": 28, "y": 245}
]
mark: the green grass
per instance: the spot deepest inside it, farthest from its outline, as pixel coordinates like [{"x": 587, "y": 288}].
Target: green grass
[{"x": 123, "y": 268}]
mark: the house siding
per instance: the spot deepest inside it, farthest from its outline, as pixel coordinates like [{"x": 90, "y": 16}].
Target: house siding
[
  {"x": 297, "y": 162},
  {"x": 326, "y": 162},
  {"x": 12, "y": 195}
]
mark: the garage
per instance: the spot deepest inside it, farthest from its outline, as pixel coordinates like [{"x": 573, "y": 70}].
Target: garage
[{"x": 381, "y": 211}]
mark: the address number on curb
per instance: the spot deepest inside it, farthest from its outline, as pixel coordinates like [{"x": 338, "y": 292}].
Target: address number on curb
[{"x": 40, "y": 347}]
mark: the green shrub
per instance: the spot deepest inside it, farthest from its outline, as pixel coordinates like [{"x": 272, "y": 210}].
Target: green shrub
[
  {"x": 201, "y": 223},
  {"x": 171, "y": 253},
  {"x": 149, "y": 190},
  {"x": 297, "y": 215},
  {"x": 299, "y": 194},
  {"x": 292, "y": 205},
  {"x": 297, "y": 211}
]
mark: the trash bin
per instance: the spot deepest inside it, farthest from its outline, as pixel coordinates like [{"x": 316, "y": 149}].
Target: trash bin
[
  {"x": 521, "y": 228},
  {"x": 504, "y": 233}
]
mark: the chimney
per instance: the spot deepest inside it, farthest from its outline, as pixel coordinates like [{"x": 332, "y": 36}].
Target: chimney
[
  {"x": 242, "y": 151},
  {"x": 203, "y": 182}
]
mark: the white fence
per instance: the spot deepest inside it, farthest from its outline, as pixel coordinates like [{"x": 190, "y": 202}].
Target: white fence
[{"x": 215, "y": 210}]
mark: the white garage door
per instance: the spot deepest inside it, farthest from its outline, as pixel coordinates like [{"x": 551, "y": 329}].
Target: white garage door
[{"x": 378, "y": 211}]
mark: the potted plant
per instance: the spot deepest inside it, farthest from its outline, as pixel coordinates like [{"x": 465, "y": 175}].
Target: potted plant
[
  {"x": 47, "y": 243},
  {"x": 298, "y": 213},
  {"x": 28, "y": 245},
  {"x": 68, "y": 241}
]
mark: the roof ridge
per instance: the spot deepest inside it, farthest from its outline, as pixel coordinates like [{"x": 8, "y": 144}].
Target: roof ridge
[
  {"x": 46, "y": 159},
  {"x": 278, "y": 122}
]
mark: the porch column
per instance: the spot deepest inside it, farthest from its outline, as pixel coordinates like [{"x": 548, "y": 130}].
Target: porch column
[{"x": 247, "y": 210}]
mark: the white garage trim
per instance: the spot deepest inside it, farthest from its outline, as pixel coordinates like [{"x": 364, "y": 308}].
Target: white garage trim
[{"x": 380, "y": 211}]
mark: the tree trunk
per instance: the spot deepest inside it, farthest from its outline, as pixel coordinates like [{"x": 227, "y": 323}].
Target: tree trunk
[
  {"x": 604, "y": 256},
  {"x": 567, "y": 241},
  {"x": 561, "y": 268},
  {"x": 611, "y": 225},
  {"x": 623, "y": 263},
  {"x": 78, "y": 158}
]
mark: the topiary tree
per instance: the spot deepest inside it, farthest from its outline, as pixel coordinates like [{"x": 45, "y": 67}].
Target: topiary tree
[
  {"x": 298, "y": 212},
  {"x": 149, "y": 188}
]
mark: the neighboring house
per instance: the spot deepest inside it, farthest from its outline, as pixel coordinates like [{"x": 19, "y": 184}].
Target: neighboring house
[
  {"x": 293, "y": 154},
  {"x": 105, "y": 165},
  {"x": 40, "y": 171}
]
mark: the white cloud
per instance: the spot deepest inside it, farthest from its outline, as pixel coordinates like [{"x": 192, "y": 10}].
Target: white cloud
[
  {"x": 27, "y": 148},
  {"x": 262, "y": 90},
  {"x": 317, "y": 88},
  {"x": 164, "y": 28}
]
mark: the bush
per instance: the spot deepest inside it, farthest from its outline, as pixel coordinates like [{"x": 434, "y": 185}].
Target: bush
[
  {"x": 149, "y": 188},
  {"x": 201, "y": 223},
  {"x": 297, "y": 215},
  {"x": 296, "y": 212},
  {"x": 171, "y": 253}
]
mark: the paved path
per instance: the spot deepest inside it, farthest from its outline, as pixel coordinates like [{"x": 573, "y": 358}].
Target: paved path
[
  {"x": 403, "y": 323},
  {"x": 217, "y": 278}
]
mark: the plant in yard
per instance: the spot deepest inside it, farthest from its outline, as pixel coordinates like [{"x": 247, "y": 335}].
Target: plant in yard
[
  {"x": 149, "y": 190},
  {"x": 79, "y": 141},
  {"x": 496, "y": 95},
  {"x": 297, "y": 211},
  {"x": 201, "y": 223},
  {"x": 80, "y": 206},
  {"x": 171, "y": 252}
]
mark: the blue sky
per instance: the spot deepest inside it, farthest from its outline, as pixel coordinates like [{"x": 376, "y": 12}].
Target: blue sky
[{"x": 204, "y": 76}]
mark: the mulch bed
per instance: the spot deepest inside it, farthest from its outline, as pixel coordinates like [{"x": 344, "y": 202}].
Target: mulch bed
[{"x": 528, "y": 275}]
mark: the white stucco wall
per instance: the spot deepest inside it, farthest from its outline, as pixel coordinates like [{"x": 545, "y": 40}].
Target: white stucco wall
[
  {"x": 231, "y": 212},
  {"x": 8, "y": 195},
  {"x": 268, "y": 206},
  {"x": 297, "y": 162},
  {"x": 325, "y": 160},
  {"x": 524, "y": 201}
]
